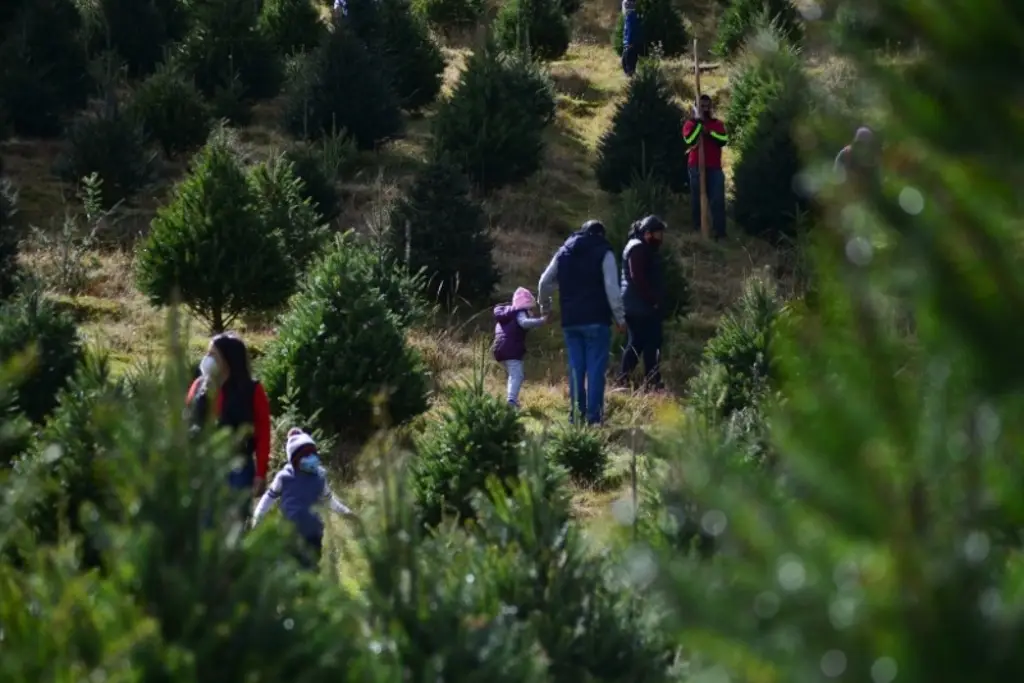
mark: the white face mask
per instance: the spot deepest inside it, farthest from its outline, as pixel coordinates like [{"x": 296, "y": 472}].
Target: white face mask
[{"x": 208, "y": 366}]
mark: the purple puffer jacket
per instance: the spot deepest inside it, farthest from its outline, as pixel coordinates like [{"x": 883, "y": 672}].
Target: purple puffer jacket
[{"x": 509, "y": 337}]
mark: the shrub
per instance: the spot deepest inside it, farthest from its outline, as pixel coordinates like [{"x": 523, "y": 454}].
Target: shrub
[
  {"x": 172, "y": 112},
  {"x": 767, "y": 199},
  {"x": 284, "y": 209},
  {"x": 644, "y": 139},
  {"x": 537, "y": 26},
  {"x": 661, "y": 24},
  {"x": 581, "y": 451},
  {"x": 223, "y": 44},
  {"x": 31, "y": 323},
  {"x": 445, "y": 235},
  {"x": 478, "y": 437},
  {"x": 493, "y": 124},
  {"x": 402, "y": 42},
  {"x": 343, "y": 86},
  {"x": 10, "y": 240},
  {"x": 291, "y": 25},
  {"x": 209, "y": 247},
  {"x": 448, "y": 16},
  {"x": 320, "y": 168},
  {"x": 43, "y": 68},
  {"x": 111, "y": 144},
  {"x": 738, "y": 364},
  {"x": 339, "y": 350},
  {"x": 742, "y": 19},
  {"x": 136, "y": 29}
]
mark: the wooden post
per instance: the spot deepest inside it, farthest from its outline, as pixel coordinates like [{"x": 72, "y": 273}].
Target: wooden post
[{"x": 704, "y": 227}]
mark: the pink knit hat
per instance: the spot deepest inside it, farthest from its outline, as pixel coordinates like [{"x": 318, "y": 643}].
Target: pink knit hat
[{"x": 523, "y": 300}]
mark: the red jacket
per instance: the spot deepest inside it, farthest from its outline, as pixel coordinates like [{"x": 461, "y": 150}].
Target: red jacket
[
  {"x": 713, "y": 138},
  {"x": 260, "y": 420}
]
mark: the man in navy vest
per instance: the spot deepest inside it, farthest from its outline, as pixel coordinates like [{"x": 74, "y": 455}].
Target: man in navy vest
[{"x": 587, "y": 279}]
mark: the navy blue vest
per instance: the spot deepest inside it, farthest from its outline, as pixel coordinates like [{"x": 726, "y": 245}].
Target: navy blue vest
[{"x": 581, "y": 280}]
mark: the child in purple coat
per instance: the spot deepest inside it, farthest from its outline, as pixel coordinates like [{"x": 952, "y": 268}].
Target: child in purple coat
[{"x": 512, "y": 322}]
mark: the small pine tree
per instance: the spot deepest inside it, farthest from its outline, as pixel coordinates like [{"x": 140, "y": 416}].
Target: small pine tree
[
  {"x": 136, "y": 30},
  {"x": 284, "y": 209},
  {"x": 30, "y": 323},
  {"x": 743, "y": 18},
  {"x": 110, "y": 144},
  {"x": 292, "y": 25},
  {"x": 537, "y": 26},
  {"x": 581, "y": 451},
  {"x": 224, "y": 45},
  {"x": 478, "y": 437},
  {"x": 644, "y": 139},
  {"x": 209, "y": 247},
  {"x": 10, "y": 239},
  {"x": 45, "y": 72},
  {"x": 661, "y": 24},
  {"x": 320, "y": 169},
  {"x": 444, "y": 232},
  {"x": 341, "y": 353},
  {"x": 172, "y": 112},
  {"x": 493, "y": 124},
  {"x": 767, "y": 198},
  {"x": 449, "y": 16},
  {"x": 402, "y": 42},
  {"x": 342, "y": 85}
]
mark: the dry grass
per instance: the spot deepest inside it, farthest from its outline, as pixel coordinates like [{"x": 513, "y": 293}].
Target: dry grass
[{"x": 528, "y": 222}]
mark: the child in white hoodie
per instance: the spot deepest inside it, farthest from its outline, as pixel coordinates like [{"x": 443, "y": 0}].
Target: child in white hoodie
[{"x": 300, "y": 486}]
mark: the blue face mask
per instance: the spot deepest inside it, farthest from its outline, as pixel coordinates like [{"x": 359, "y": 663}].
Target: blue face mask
[{"x": 309, "y": 463}]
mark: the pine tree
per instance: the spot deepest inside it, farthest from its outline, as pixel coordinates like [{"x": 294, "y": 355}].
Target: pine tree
[
  {"x": 493, "y": 124},
  {"x": 292, "y": 25},
  {"x": 445, "y": 234},
  {"x": 743, "y": 18},
  {"x": 537, "y": 26},
  {"x": 284, "y": 209},
  {"x": 661, "y": 24},
  {"x": 343, "y": 86},
  {"x": 45, "y": 75},
  {"x": 136, "y": 29},
  {"x": 402, "y": 42},
  {"x": 209, "y": 247},
  {"x": 10, "y": 238},
  {"x": 644, "y": 139}
]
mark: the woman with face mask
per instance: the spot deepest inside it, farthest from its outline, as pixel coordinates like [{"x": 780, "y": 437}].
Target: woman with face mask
[{"x": 226, "y": 391}]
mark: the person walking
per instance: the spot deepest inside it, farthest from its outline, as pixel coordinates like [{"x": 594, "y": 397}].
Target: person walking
[
  {"x": 584, "y": 272},
  {"x": 858, "y": 160},
  {"x": 299, "y": 486},
  {"x": 706, "y": 132},
  {"x": 631, "y": 28},
  {"x": 227, "y": 391},
  {"x": 643, "y": 295},
  {"x": 512, "y": 321}
]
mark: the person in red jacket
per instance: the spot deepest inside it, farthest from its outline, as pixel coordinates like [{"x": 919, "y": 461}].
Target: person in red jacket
[
  {"x": 708, "y": 132},
  {"x": 238, "y": 402}
]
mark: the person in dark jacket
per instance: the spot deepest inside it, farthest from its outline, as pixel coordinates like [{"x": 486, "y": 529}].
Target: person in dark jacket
[
  {"x": 586, "y": 276},
  {"x": 631, "y": 28},
  {"x": 227, "y": 391},
  {"x": 643, "y": 295},
  {"x": 511, "y": 324}
]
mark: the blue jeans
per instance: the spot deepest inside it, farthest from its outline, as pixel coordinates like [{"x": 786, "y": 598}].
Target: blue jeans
[
  {"x": 588, "y": 347},
  {"x": 716, "y": 199}
]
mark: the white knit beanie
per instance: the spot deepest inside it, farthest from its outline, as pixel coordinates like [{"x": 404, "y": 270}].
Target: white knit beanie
[{"x": 297, "y": 439}]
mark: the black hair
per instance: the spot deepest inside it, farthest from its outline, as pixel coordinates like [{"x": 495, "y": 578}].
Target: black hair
[
  {"x": 235, "y": 354},
  {"x": 705, "y": 97}
]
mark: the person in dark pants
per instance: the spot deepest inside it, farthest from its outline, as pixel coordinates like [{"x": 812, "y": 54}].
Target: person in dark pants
[
  {"x": 630, "y": 37},
  {"x": 643, "y": 295},
  {"x": 707, "y": 132},
  {"x": 587, "y": 279}
]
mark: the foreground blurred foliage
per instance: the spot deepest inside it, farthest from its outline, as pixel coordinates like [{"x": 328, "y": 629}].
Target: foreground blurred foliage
[{"x": 881, "y": 541}]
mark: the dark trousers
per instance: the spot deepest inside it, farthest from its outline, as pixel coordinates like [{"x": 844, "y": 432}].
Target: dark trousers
[
  {"x": 309, "y": 551},
  {"x": 645, "y": 338},
  {"x": 629, "y": 59},
  {"x": 716, "y": 199}
]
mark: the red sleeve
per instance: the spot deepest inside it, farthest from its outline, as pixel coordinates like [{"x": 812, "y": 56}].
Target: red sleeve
[
  {"x": 687, "y": 127},
  {"x": 261, "y": 429},
  {"x": 192, "y": 391},
  {"x": 717, "y": 126}
]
